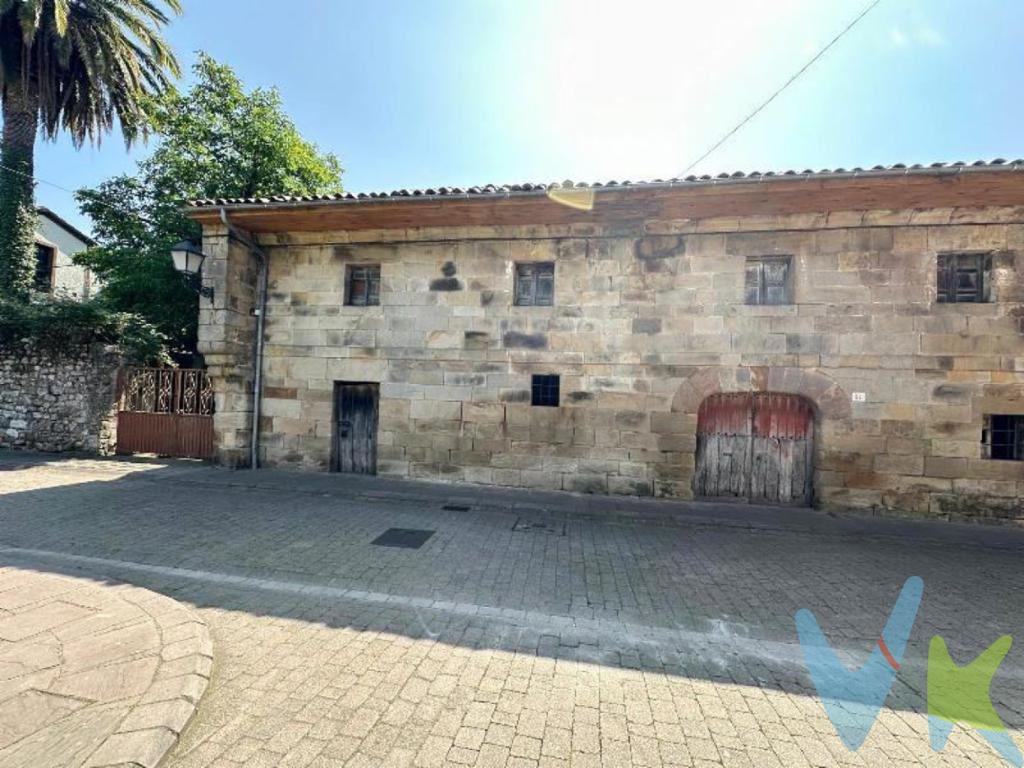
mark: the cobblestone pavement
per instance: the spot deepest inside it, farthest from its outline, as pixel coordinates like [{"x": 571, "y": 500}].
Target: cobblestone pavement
[
  {"x": 94, "y": 674},
  {"x": 529, "y": 629}
]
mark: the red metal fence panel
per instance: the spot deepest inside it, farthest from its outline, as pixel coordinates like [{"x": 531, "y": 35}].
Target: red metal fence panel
[
  {"x": 167, "y": 411},
  {"x": 166, "y": 434}
]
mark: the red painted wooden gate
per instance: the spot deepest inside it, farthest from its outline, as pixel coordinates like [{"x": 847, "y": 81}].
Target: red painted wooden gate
[
  {"x": 757, "y": 446},
  {"x": 167, "y": 411}
]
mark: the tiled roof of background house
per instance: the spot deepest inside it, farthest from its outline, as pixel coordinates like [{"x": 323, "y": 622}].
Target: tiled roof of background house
[{"x": 506, "y": 190}]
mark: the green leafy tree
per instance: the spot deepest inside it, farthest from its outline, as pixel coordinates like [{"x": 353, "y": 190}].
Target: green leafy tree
[
  {"x": 74, "y": 65},
  {"x": 216, "y": 140}
]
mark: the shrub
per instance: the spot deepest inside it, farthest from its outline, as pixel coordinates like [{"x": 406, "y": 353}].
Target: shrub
[{"x": 63, "y": 324}]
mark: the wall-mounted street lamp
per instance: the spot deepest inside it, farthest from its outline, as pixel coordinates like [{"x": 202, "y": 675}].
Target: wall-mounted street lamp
[{"x": 188, "y": 260}]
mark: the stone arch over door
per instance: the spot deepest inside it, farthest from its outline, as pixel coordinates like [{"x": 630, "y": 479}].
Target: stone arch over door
[
  {"x": 830, "y": 400},
  {"x": 677, "y": 438}
]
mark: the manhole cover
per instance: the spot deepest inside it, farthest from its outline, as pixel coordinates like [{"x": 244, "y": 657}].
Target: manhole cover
[
  {"x": 455, "y": 508},
  {"x": 540, "y": 526},
  {"x": 406, "y": 538}
]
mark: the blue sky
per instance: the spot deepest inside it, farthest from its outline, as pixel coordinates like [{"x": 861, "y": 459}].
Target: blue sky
[{"x": 457, "y": 92}]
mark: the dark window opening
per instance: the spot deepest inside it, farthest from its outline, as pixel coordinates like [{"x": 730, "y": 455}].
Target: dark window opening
[
  {"x": 963, "y": 278},
  {"x": 362, "y": 288},
  {"x": 768, "y": 281},
  {"x": 1003, "y": 438},
  {"x": 45, "y": 256},
  {"x": 535, "y": 284},
  {"x": 544, "y": 390}
]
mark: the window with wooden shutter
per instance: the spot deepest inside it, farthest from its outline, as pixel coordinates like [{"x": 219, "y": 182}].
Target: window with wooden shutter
[
  {"x": 963, "y": 278},
  {"x": 768, "y": 280},
  {"x": 362, "y": 287},
  {"x": 535, "y": 284}
]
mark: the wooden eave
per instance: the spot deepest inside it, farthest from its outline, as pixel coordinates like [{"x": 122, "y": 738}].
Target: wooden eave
[{"x": 640, "y": 203}]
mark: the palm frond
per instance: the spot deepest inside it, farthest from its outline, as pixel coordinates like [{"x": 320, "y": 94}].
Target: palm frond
[{"x": 90, "y": 64}]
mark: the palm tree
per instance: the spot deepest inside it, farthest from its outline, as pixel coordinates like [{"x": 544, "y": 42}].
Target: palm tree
[{"x": 72, "y": 65}]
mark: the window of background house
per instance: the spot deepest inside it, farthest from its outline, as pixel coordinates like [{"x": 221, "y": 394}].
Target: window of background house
[
  {"x": 362, "y": 288},
  {"x": 535, "y": 284},
  {"x": 45, "y": 256},
  {"x": 1003, "y": 437},
  {"x": 544, "y": 390},
  {"x": 768, "y": 280},
  {"x": 963, "y": 278}
]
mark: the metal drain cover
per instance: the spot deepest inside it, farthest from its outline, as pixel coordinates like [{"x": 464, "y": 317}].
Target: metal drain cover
[
  {"x": 406, "y": 538},
  {"x": 455, "y": 508}
]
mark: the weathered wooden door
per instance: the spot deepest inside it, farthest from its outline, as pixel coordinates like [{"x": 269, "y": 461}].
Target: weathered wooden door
[
  {"x": 757, "y": 446},
  {"x": 355, "y": 428}
]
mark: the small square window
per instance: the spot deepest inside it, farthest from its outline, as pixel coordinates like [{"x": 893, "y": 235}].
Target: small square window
[
  {"x": 768, "y": 280},
  {"x": 535, "y": 284},
  {"x": 362, "y": 285},
  {"x": 1003, "y": 438},
  {"x": 544, "y": 390},
  {"x": 43, "y": 278},
  {"x": 963, "y": 278}
]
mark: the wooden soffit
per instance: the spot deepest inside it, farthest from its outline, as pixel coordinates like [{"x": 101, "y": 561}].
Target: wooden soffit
[{"x": 610, "y": 205}]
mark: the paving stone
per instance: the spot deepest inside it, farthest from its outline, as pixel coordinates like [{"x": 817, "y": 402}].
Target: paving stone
[
  {"x": 83, "y": 660},
  {"x": 31, "y": 710},
  {"x": 32, "y": 622},
  {"x": 67, "y": 742},
  {"x": 109, "y": 682},
  {"x": 665, "y": 641}
]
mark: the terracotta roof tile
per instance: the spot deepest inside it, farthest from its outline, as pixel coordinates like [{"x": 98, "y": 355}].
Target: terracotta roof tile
[{"x": 504, "y": 190}]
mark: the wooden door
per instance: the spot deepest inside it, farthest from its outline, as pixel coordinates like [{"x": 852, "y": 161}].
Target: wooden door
[
  {"x": 355, "y": 428},
  {"x": 756, "y": 446}
]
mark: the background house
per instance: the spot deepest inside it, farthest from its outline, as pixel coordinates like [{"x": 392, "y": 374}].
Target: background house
[{"x": 57, "y": 242}]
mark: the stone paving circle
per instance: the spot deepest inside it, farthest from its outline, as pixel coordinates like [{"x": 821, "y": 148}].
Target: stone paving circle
[{"x": 94, "y": 673}]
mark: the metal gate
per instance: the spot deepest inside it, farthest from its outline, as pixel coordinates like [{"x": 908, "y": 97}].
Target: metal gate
[
  {"x": 757, "y": 446},
  {"x": 167, "y": 411}
]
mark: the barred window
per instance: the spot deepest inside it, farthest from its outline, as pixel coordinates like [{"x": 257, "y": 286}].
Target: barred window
[
  {"x": 362, "y": 286},
  {"x": 768, "y": 280},
  {"x": 544, "y": 390},
  {"x": 535, "y": 284},
  {"x": 963, "y": 278},
  {"x": 1003, "y": 437}
]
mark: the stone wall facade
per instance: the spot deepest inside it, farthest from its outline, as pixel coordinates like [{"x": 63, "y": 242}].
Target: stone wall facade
[
  {"x": 59, "y": 400},
  {"x": 227, "y": 335},
  {"x": 648, "y": 320}
]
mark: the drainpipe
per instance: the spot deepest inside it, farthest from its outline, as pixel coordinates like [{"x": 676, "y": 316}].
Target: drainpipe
[{"x": 260, "y": 312}]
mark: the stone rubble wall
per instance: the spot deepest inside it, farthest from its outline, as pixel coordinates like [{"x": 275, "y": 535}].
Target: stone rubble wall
[
  {"x": 648, "y": 320},
  {"x": 58, "y": 400}
]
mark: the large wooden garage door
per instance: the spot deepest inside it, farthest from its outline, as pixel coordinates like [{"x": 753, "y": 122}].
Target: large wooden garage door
[{"x": 755, "y": 446}]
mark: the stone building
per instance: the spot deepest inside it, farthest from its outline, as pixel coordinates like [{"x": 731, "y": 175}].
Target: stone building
[{"x": 851, "y": 339}]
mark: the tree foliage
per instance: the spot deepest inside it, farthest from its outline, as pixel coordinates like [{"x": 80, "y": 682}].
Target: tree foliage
[
  {"x": 79, "y": 66},
  {"x": 215, "y": 140}
]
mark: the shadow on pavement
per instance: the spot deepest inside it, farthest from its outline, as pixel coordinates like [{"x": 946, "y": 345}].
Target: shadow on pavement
[{"x": 699, "y": 590}]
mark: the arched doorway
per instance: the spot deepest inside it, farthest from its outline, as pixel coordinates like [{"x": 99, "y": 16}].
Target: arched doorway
[{"x": 757, "y": 446}]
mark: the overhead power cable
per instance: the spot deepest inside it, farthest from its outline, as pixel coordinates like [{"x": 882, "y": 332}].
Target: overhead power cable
[
  {"x": 108, "y": 206},
  {"x": 784, "y": 86}
]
